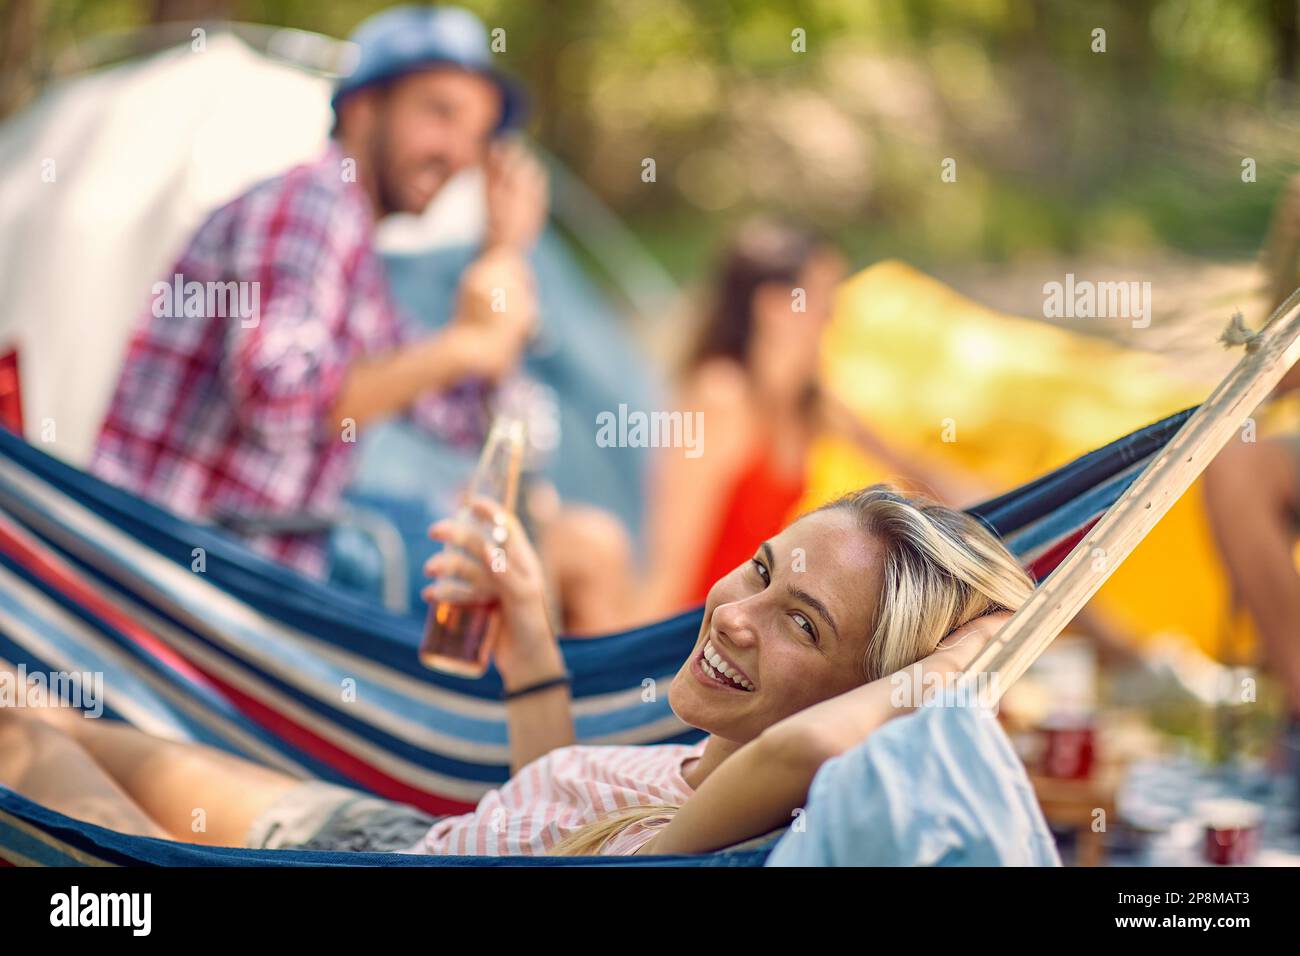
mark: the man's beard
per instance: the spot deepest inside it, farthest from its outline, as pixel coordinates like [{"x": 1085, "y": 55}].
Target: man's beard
[
  {"x": 387, "y": 177},
  {"x": 386, "y": 191},
  {"x": 390, "y": 200}
]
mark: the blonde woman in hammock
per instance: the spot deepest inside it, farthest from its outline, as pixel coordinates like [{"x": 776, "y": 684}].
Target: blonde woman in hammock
[{"x": 791, "y": 667}]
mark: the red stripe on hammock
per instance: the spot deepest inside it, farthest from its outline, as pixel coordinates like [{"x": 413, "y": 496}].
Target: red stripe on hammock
[
  {"x": 56, "y": 573},
  {"x": 369, "y": 776},
  {"x": 1047, "y": 562},
  {"x": 50, "y": 567}
]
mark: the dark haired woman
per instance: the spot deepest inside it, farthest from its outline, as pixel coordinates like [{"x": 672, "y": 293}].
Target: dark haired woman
[{"x": 753, "y": 374}]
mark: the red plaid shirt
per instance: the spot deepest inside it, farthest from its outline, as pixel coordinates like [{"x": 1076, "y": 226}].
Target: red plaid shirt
[{"x": 221, "y": 408}]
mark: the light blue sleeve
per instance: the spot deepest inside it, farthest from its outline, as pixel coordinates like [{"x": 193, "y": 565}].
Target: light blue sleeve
[{"x": 941, "y": 787}]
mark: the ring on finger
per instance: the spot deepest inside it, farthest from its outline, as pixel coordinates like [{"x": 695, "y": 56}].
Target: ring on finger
[{"x": 500, "y": 533}]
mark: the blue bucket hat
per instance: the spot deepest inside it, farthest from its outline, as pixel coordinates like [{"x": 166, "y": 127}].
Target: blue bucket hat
[{"x": 401, "y": 40}]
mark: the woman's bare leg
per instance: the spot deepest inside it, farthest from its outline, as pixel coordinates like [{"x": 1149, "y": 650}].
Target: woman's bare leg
[
  {"x": 199, "y": 793},
  {"x": 49, "y": 767}
]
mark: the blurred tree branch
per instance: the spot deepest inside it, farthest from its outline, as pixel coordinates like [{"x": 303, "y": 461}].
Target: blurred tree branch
[
  {"x": 168, "y": 11},
  {"x": 21, "y": 25}
]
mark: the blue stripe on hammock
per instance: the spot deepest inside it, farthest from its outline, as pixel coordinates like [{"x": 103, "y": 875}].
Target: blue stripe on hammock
[
  {"x": 1046, "y": 531},
  {"x": 12, "y": 651},
  {"x": 1028, "y": 503},
  {"x": 127, "y": 682},
  {"x": 30, "y": 847}
]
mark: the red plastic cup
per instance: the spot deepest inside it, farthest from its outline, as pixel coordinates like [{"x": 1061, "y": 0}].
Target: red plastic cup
[
  {"x": 1231, "y": 831},
  {"x": 1069, "y": 748}
]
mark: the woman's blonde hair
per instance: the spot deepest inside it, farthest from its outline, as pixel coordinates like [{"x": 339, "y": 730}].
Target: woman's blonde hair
[{"x": 942, "y": 569}]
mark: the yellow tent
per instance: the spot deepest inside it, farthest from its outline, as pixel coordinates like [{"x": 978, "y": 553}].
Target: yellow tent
[{"x": 1004, "y": 399}]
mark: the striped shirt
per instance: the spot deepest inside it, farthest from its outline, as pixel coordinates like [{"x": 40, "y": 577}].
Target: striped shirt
[{"x": 560, "y": 793}]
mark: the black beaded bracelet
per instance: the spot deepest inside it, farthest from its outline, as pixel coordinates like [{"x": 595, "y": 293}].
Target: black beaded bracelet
[{"x": 562, "y": 680}]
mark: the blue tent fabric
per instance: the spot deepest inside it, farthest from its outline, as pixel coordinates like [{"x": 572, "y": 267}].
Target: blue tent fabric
[{"x": 941, "y": 787}]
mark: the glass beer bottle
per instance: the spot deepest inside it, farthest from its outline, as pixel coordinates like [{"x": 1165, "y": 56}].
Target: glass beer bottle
[{"x": 458, "y": 638}]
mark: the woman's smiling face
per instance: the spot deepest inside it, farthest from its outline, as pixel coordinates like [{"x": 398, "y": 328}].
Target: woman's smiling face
[{"x": 784, "y": 630}]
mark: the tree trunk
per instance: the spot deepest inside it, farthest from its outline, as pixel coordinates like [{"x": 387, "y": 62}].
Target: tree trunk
[
  {"x": 1285, "y": 18},
  {"x": 20, "y": 29}
]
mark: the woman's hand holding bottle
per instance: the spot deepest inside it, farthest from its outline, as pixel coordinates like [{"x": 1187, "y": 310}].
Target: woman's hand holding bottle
[{"x": 489, "y": 560}]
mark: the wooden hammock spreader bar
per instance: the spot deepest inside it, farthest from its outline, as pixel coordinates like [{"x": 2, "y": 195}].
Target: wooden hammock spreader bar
[{"x": 1269, "y": 354}]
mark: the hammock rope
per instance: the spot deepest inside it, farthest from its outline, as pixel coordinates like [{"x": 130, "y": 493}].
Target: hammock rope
[{"x": 1236, "y": 333}]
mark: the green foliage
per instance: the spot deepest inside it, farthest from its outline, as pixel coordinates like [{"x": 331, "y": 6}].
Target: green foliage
[{"x": 1058, "y": 147}]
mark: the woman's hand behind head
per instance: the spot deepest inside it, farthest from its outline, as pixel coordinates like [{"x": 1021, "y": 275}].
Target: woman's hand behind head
[{"x": 973, "y": 636}]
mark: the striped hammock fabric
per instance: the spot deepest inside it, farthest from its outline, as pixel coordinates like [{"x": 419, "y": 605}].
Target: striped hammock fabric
[{"x": 200, "y": 639}]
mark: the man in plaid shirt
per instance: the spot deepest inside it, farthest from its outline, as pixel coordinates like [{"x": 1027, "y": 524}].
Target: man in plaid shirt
[{"x": 241, "y": 393}]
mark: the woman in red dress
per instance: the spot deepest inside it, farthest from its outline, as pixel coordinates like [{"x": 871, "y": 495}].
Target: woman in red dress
[{"x": 753, "y": 374}]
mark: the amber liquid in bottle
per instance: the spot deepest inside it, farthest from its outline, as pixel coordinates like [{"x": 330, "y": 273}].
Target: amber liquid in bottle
[{"x": 458, "y": 638}]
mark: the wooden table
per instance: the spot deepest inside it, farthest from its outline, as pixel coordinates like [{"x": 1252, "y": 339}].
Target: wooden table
[{"x": 1075, "y": 805}]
